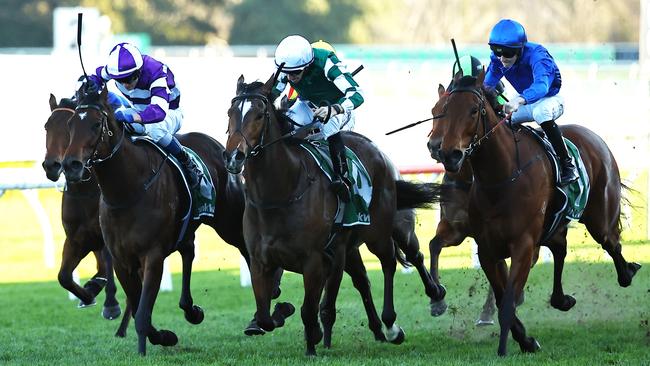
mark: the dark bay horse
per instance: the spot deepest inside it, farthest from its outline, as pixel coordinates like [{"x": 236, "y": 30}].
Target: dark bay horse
[
  {"x": 511, "y": 198},
  {"x": 140, "y": 214},
  {"x": 289, "y": 215},
  {"x": 79, "y": 216}
]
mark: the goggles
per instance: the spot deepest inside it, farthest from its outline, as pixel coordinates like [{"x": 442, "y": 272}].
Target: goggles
[
  {"x": 504, "y": 51},
  {"x": 129, "y": 79}
]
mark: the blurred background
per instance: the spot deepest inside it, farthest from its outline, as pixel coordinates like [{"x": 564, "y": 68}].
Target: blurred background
[{"x": 601, "y": 47}]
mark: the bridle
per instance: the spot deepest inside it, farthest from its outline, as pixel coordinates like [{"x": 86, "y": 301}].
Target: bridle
[{"x": 93, "y": 159}]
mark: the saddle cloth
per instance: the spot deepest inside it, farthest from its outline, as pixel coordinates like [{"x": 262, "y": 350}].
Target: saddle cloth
[{"x": 356, "y": 211}]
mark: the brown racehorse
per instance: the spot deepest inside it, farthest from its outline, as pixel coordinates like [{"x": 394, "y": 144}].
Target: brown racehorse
[
  {"x": 453, "y": 226},
  {"x": 140, "y": 214},
  {"x": 79, "y": 216},
  {"x": 510, "y": 199},
  {"x": 289, "y": 215}
]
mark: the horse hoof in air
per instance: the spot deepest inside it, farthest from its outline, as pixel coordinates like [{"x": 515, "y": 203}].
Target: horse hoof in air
[
  {"x": 111, "y": 312},
  {"x": 252, "y": 329},
  {"x": 438, "y": 307},
  {"x": 166, "y": 338},
  {"x": 564, "y": 304},
  {"x": 194, "y": 316},
  {"x": 632, "y": 268},
  {"x": 282, "y": 311}
]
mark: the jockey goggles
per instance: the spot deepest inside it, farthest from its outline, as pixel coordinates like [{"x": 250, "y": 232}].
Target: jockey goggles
[
  {"x": 129, "y": 79},
  {"x": 506, "y": 52}
]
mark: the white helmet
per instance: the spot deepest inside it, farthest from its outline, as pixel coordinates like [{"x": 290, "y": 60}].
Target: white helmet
[
  {"x": 123, "y": 61},
  {"x": 295, "y": 52}
]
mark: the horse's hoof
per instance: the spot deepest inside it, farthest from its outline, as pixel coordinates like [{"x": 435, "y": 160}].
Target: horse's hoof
[
  {"x": 111, "y": 312},
  {"x": 481, "y": 322},
  {"x": 565, "y": 304},
  {"x": 438, "y": 307},
  {"x": 82, "y": 304},
  {"x": 195, "y": 316},
  {"x": 253, "y": 329},
  {"x": 167, "y": 338},
  {"x": 120, "y": 333},
  {"x": 399, "y": 338},
  {"x": 282, "y": 311},
  {"x": 380, "y": 337},
  {"x": 531, "y": 346}
]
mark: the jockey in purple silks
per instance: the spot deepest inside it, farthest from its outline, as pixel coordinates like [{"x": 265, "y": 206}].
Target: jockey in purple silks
[{"x": 150, "y": 87}]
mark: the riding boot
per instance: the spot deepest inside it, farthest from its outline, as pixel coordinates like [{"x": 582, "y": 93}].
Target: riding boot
[
  {"x": 568, "y": 171},
  {"x": 192, "y": 171},
  {"x": 340, "y": 183}
]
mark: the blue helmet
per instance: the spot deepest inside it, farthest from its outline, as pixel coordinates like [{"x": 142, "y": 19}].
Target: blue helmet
[{"x": 508, "y": 33}]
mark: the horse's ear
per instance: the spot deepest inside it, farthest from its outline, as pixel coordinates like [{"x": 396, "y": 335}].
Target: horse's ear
[
  {"x": 269, "y": 84},
  {"x": 458, "y": 76},
  {"x": 441, "y": 90},
  {"x": 480, "y": 78},
  {"x": 103, "y": 96},
  {"x": 240, "y": 84},
  {"x": 52, "y": 102}
]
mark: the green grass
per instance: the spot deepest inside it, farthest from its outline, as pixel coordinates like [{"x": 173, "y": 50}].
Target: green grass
[{"x": 608, "y": 326}]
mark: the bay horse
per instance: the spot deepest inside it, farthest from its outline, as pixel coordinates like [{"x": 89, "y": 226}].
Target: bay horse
[
  {"x": 453, "y": 225},
  {"x": 79, "y": 216},
  {"x": 510, "y": 199},
  {"x": 140, "y": 214},
  {"x": 290, "y": 211}
]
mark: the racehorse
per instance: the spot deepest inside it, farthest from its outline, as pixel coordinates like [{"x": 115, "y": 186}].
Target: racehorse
[
  {"x": 140, "y": 214},
  {"x": 290, "y": 211},
  {"x": 512, "y": 195},
  {"x": 453, "y": 226},
  {"x": 79, "y": 215}
]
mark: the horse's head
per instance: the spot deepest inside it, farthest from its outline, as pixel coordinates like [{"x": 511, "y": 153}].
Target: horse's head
[
  {"x": 57, "y": 136},
  {"x": 249, "y": 122},
  {"x": 436, "y": 112},
  {"x": 461, "y": 117},
  {"x": 91, "y": 131}
]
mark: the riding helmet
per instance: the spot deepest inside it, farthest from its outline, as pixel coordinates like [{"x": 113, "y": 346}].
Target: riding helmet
[
  {"x": 295, "y": 52},
  {"x": 123, "y": 60},
  {"x": 508, "y": 33}
]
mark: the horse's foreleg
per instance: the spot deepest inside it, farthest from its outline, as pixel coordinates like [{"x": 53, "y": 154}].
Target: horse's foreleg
[
  {"x": 124, "y": 323},
  {"x": 521, "y": 262},
  {"x": 72, "y": 255},
  {"x": 446, "y": 236},
  {"x": 152, "y": 275},
  {"x": 386, "y": 254},
  {"x": 132, "y": 285},
  {"x": 193, "y": 313},
  {"x": 313, "y": 281},
  {"x": 489, "y": 308},
  {"x": 496, "y": 272},
  {"x": 357, "y": 270},
  {"x": 557, "y": 245},
  {"x": 332, "y": 286},
  {"x": 261, "y": 279},
  {"x": 111, "y": 308}
]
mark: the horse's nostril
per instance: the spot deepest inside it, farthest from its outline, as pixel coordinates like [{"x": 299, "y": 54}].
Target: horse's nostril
[{"x": 239, "y": 155}]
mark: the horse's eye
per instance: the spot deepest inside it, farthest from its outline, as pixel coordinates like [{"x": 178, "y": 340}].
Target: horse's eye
[{"x": 474, "y": 110}]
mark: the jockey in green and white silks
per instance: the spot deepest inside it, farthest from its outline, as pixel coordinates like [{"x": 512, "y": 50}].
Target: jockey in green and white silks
[{"x": 320, "y": 78}]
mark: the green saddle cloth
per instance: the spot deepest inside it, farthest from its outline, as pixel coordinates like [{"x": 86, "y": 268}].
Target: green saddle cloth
[
  {"x": 204, "y": 196},
  {"x": 356, "y": 211},
  {"x": 578, "y": 191}
]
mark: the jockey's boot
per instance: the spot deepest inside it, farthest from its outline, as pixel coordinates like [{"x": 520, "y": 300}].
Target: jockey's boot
[
  {"x": 340, "y": 183},
  {"x": 192, "y": 171},
  {"x": 568, "y": 171}
]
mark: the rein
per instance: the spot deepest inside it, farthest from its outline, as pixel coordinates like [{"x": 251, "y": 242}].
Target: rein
[{"x": 105, "y": 131}]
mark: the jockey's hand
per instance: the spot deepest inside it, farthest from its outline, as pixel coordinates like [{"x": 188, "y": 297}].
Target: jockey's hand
[
  {"x": 514, "y": 104},
  {"x": 126, "y": 116},
  {"x": 321, "y": 112}
]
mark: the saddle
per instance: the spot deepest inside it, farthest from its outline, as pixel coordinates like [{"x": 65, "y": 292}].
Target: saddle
[{"x": 569, "y": 201}]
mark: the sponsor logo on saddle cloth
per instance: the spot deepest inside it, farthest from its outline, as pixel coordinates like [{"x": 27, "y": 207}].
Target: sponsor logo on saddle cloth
[
  {"x": 203, "y": 198},
  {"x": 356, "y": 211}
]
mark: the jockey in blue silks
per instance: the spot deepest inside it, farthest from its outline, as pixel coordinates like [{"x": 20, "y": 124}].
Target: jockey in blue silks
[
  {"x": 533, "y": 73},
  {"x": 150, "y": 87}
]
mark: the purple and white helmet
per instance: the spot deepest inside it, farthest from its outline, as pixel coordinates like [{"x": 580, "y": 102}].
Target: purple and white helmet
[{"x": 123, "y": 60}]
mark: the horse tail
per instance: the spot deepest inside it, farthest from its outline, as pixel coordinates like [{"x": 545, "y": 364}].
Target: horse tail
[
  {"x": 400, "y": 257},
  {"x": 625, "y": 200},
  {"x": 417, "y": 195}
]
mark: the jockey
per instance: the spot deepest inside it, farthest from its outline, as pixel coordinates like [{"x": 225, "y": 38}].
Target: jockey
[
  {"x": 149, "y": 85},
  {"x": 320, "y": 78},
  {"x": 531, "y": 70},
  {"x": 470, "y": 65}
]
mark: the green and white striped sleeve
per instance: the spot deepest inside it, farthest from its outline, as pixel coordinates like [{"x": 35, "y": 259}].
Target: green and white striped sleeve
[{"x": 336, "y": 71}]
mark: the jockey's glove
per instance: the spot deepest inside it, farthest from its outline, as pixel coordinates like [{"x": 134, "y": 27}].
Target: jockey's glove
[
  {"x": 322, "y": 112},
  {"x": 125, "y": 116},
  {"x": 514, "y": 104}
]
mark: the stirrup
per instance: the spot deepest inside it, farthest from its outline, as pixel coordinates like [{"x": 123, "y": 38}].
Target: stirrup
[{"x": 568, "y": 172}]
